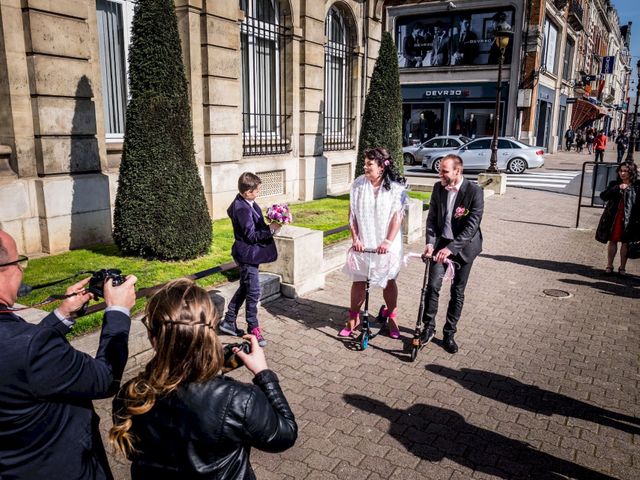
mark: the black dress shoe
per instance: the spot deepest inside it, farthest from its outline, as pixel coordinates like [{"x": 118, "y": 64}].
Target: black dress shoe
[
  {"x": 230, "y": 329},
  {"x": 450, "y": 344},
  {"x": 427, "y": 335}
]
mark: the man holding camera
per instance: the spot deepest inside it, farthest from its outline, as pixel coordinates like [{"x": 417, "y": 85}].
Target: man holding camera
[{"x": 48, "y": 427}]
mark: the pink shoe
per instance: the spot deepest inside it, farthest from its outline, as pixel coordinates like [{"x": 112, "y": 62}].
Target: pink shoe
[
  {"x": 394, "y": 331},
  {"x": 347, "y": 330}
]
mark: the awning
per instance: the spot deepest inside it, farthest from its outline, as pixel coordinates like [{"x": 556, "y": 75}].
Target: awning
[{"x": 584, "y": 112}]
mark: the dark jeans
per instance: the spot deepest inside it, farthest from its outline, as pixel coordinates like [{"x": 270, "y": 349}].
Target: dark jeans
[
  {"x": 249, "y": 291},
  {"x": 599, "y": 155},
  {"x": 436, "y": 271},
  {"x": 620, "y": 155}
]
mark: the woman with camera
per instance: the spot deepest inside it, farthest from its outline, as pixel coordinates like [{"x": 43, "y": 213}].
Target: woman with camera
[{"x": 180, "y": 418}]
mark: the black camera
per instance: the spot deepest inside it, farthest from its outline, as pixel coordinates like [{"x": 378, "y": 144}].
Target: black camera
[
  {"x": 231, "y": 360},
  {"x": 96, "y": 284}
]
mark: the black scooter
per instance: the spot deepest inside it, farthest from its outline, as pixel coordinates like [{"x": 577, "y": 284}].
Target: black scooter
[
  {"x": 369, "y": 330},
  {"x": 417, "y": 341}
]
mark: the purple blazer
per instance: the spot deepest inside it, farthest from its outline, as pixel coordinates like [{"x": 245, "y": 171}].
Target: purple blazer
[{"x": 253, "y": 239}]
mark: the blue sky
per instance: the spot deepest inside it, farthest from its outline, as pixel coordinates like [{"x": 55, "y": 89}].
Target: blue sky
[{"x": 629, "y": 11}]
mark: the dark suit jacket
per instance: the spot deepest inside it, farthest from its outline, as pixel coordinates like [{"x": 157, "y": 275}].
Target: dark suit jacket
[
  {"x": 467, "y": 241},
  {"x": 253, "y": 239},
  {"x": 48, "y": 428}
]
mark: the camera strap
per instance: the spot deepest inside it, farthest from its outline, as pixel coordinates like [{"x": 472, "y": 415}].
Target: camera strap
[{"x": 46, "y": 301}]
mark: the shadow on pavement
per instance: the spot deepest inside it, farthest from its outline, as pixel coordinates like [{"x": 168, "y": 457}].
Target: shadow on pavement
[
  {"x": 318, "y": 315},
  {"x": 434, "y": 433},
  {"x": 533, "y": 223},
  {"x": 618, "y": 285},
  {"x": 534, "y": 399}
]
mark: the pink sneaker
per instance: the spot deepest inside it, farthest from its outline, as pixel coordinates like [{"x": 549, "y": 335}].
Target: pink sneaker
[
  {"x": 258, "y": 334},
  {"x": 345, "y": 332}
]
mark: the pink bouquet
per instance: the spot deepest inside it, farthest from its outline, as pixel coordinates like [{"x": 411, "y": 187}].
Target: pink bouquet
[{"x": 279, "y": 214}]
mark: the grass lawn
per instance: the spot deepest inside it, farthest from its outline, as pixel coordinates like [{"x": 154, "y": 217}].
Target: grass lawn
[{"x": 323, "y": 214}]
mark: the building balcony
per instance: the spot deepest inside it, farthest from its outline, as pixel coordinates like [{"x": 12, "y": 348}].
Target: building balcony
[
  {"x": 575, "y": 15},
  {"x": 560, "y": 4}
]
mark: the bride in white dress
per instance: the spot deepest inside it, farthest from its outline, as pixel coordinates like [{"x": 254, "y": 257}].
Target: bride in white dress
[{"x": 376, "y": 209}]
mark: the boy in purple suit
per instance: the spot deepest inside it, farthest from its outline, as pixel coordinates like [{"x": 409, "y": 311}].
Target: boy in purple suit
[{"x": 253, "y": 245}]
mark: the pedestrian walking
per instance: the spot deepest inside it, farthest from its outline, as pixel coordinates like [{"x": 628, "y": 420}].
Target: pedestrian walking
[
  {"x": 620, "y": 221},
  {"x": 453, "y": 233},
  {"x": 569, "y": 137},
  {"x": 590, "y": 137},
  {"x": 253, "y": 245},
  {"x": 180, "y": 418},
  {"x": 375, "y": 216},
  {"x": 622, "y": 143},
  {"x": 579, "y": 141},
  {"x": 600, "y": 145}
]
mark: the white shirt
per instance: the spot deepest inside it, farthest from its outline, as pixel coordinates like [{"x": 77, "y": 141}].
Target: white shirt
[{"x": 451, "y": 201}]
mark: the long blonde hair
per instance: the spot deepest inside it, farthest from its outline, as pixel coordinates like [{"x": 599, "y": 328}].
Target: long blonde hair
[{"x": 181, "y": 321}]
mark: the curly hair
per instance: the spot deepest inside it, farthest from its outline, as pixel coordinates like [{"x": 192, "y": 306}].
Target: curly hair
[
  {"x": 384, "y": 160},
  {"x": 181, "y": 321},
  {"x": 632, "y": 168}
]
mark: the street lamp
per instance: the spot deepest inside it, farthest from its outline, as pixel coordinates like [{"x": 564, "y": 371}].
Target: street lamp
[
  {"x": 632, "y": 138},
  {"x": 502, "y": 36}
]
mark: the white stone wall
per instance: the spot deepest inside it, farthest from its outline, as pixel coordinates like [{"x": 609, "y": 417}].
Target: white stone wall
[{"x": 58, "y": 181}]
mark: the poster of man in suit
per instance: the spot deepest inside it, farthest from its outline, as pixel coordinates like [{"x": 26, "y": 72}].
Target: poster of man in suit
[{"x": 451, "y": 39}]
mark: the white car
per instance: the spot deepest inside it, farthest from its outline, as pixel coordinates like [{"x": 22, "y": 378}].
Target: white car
[
  {"x": 513, "y": 155},
  {"x": 414, "y": 154}
]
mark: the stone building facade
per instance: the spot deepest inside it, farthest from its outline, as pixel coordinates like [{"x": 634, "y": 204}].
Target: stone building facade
[{"x": 277, "y": 87}]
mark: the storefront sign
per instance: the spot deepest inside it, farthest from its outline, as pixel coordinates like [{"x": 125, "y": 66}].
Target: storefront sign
[
  {"x": 443, "y": 91},
  {"x": 446, "y": 93},
  {"x": 572, "y": 100}
]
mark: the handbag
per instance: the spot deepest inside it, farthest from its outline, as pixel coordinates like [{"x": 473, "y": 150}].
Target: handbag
[{"x": 633, "y": 249}]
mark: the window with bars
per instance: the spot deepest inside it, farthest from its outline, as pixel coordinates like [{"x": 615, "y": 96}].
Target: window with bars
[
  {"x": 263, "y": 42},
  {"x": 114, "y": 26},
  {"x": 338, "y": 71}
]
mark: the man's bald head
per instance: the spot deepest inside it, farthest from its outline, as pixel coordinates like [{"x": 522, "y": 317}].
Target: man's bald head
[
  {"x": 7, "y": 247},
  {"x": 10, "y": 275}
]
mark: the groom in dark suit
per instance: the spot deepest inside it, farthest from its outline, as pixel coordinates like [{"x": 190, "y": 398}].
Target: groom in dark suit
[
  {"x": 48, "y": 428},
  {"x": 453, "y": 232}
]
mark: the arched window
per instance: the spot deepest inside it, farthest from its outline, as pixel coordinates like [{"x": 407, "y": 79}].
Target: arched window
[
  {"x": 338, "y": 78},
  {"x": 263, "y": 41}
]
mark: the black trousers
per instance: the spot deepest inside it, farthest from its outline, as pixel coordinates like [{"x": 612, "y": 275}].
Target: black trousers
[
  {"x": 249, "y": 291},
  {"x": 599, "y": 156},
  {"x": 454, "y": 310}
]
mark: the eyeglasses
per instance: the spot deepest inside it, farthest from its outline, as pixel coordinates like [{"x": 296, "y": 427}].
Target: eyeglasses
[{"x": 21, "y": 262}]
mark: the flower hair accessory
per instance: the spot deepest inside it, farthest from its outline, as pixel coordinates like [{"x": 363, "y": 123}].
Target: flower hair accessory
[{"x": 386, "y": 163}]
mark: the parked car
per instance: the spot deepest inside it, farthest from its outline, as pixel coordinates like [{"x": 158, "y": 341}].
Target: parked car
[
  {"x": 513, "y": 155},
  {"x": 414, "y": 154}
]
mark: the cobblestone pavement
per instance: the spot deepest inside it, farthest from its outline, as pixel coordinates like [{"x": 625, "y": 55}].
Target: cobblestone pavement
[{"x": 542, "y": 387}]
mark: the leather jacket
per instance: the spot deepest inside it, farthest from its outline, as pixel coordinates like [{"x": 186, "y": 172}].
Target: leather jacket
[
  {"x": 631, "y": 201},
  {"x": 206, "y": 430}
]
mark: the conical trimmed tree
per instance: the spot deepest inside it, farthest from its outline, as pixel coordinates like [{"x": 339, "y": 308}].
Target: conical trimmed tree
[
  {"x": 382, "y": 119},
  {"x": 160, "y": 209}
]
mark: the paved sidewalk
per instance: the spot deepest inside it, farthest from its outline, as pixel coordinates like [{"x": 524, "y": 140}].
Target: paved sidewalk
[{"x": 541, "y": 388}]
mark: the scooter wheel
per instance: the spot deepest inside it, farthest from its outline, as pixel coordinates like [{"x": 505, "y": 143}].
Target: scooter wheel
[
  {"x": 414, "y": 353},
  {"x": 364, "y": 341}
]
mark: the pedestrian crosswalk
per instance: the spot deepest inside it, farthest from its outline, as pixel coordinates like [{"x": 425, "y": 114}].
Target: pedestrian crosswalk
[{"x": 554, "y": 180}]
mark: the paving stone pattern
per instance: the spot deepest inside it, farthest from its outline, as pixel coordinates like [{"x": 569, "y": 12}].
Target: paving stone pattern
[{"x": 541, "y": 388}]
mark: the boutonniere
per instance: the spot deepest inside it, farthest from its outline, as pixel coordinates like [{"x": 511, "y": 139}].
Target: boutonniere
[{"x": 460, "y": 212}]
